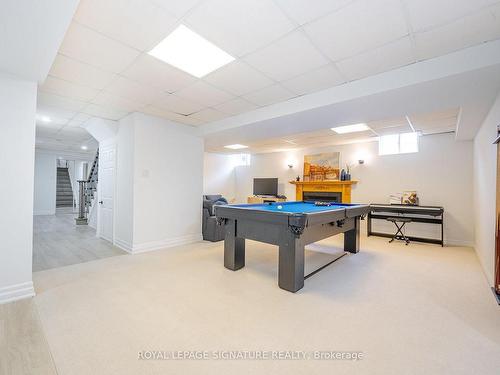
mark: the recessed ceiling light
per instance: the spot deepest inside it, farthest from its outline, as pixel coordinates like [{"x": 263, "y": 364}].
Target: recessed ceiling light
[
  {"x": 351, "y": 128},
  {"x": 43, "y": 118},
  {"x": 236, "y": 146},
  {"x": 84, "y": 147},
  {"x": 190, "y": 52}
]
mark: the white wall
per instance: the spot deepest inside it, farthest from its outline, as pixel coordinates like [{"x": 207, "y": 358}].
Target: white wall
[
  {"x": 219, "y": 175},
  {"x": 165, "y": 161},
  {"x": 441, "y": 173},
  {"x": 485, "y": 164},
  {"x": 17, "y": 151},
  {"x": 124, "y": 191},
  {"x": 45, "y": 184}
]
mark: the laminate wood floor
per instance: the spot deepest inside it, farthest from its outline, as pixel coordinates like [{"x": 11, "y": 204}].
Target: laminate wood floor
[
  {"x": 23, "y": 347},
  {"x": 58, "y": 242}
]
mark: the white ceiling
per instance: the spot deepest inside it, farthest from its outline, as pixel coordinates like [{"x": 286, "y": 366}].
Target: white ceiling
[
  {"x": 68, "y": 140},
  {"x": 283, "y": 49},
  {"x": 428, "y": 123}
]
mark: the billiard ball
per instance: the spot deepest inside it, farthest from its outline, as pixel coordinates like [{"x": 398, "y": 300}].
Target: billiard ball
[{"x": 280, "y": 207}]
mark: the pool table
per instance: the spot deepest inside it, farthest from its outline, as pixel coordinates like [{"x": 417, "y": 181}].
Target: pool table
[{"x": 291, "y": 226}]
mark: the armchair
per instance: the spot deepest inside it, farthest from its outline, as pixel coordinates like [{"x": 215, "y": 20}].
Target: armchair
[{"x": 211, "y": 231}]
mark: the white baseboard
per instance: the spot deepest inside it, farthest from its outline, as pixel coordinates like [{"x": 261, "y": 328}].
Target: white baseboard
[
  {"x": 16, "y": 292},
  {"x": 124, "y": 245},
  {"x": 162, "y": 244},
  {"x": 451, "y": 242}
]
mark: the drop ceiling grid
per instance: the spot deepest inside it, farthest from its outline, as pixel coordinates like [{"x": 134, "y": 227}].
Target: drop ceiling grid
[
  {"x": 412, "y": 13},
  {"x": 427, "y": 123}
]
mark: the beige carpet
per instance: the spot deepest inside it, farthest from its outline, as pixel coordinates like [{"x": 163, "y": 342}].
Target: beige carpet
[{"x": 411, "y": 310}]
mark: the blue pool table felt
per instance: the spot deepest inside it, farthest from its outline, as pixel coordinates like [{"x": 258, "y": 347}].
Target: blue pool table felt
[{"x": 292, "y": 207}]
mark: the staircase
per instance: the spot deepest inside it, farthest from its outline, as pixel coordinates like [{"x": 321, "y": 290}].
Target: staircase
[
  {"x": 64, "y": 195},
  {"x": 87, "y": 195}
]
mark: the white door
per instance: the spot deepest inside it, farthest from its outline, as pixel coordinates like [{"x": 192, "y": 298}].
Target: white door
[{"x": 106, "y": 188}]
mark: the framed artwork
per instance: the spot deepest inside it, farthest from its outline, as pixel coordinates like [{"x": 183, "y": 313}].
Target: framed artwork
[{"x": 322, "y": 167}]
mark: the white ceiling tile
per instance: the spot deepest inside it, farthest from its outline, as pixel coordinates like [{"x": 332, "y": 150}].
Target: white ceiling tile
[
  {"x": 315, "y": 80},
  {"x": 55, "y": 122},
  {"x": 52, "y": 100},
  {"x": 238, "y": 78},
  {"x": 107, "y": 99},
  {"x": 269, "y": 95},
  {"x": 81, "y": 73},
  {"x": 425, "y": 14},
  {"x": 45, "y": 132},
  {"x": 239, "y": 26},
  {"x": 388, "y": 57},
  {"x": 387, "y": 123},
  {"x": 203, "y": 93},
  {"x": 174, "y": 103},
  {"x": 75, "y": 133},
  {"x": 177, "y": 7},
  {"x": 79, "y": 118},
  {"x": 209, "y": 115},
  {"x": 151, "y": 71},
  {"x": 133, "y": 91},
  {"x": 358, "y": 27},
  {"x": 67, "y": 89},
  {"x": 88, "y": 46},
  {"x": 464, "y": 32},
  {"x": 303, "y": 11},
  {"x": 74, "y": 124},
  {"x": 137, "y": 23},
  {"x": 288, "y": 57},
  {"x": 436, "y": 120},
  {"x": 104, "y": 112},
  {"x": 47, "y": 127},
  {"x": 54, "y": 112},
  {"x": 394, "y": 130},
  {"x": 159, "y": 112},
  {"x": 236, "y": 106}
]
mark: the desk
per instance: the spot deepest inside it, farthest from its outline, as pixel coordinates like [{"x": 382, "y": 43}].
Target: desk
[
  {"x": 291, "y": 226},
  {"x": 417, "y": 214}
]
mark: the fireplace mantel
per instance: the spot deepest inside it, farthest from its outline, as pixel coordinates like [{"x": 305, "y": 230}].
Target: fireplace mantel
[{"x": 334, "y": 186}]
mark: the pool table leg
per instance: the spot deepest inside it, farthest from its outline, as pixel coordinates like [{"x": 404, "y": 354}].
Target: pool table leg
[
  {"x": 291, "y": 263},
  {"x": 234, "y": 248},
  {"x": 351, "y": 238}
]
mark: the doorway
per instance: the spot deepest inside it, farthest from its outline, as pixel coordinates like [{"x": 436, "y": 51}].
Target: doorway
[{"x": 62, "y": 171}]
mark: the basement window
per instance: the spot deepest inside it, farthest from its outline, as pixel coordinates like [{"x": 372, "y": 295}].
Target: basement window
[
  {"x": 393, "y": 144},
  {"x": 241, "y": 160}
]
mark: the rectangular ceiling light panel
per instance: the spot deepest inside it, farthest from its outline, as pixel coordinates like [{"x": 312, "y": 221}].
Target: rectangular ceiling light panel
[
  {"x": 190, "y": 52},
  {"x": 351, "y": 128},
  {"x": 236, "y": 146}
]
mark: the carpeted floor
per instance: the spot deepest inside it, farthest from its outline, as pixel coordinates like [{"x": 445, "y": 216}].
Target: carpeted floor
[{"x": 410, "y": 310}]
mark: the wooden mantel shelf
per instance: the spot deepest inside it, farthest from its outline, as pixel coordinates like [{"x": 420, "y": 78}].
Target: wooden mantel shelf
[
  {"x": 329, "y": 182},
  {"x": 334, "y": 186}
]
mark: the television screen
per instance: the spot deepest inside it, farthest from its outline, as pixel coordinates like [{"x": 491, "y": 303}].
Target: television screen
[{"x": 265, "y": 186}]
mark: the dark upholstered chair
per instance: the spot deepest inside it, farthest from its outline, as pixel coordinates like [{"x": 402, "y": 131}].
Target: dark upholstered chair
[{"x": 211, "y": 231}]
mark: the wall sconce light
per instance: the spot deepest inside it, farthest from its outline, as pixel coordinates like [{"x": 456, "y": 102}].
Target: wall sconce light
[
  {"x": 361, "y": 161},
  {"x": 290, "y": 166}
]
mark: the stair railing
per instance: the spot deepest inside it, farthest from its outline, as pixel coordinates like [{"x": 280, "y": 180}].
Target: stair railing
[{"x": 87, "y": 190}]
